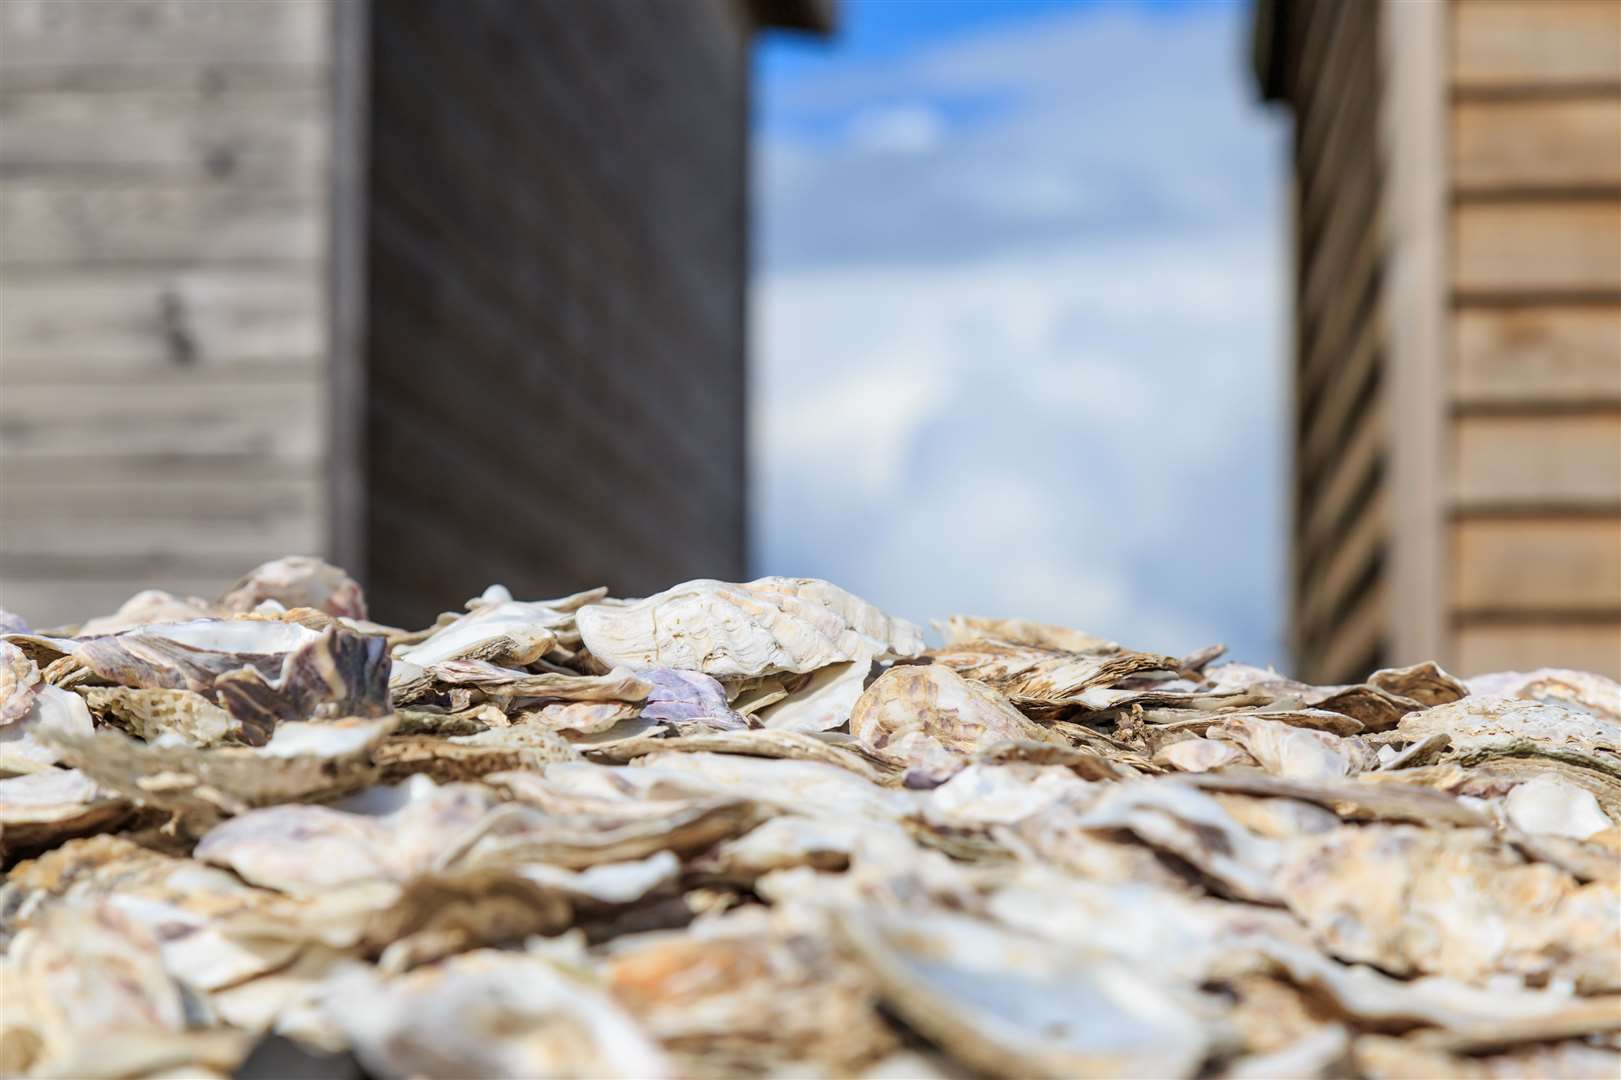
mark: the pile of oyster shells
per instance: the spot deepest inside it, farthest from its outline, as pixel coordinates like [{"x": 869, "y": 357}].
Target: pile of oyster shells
[{"x": 764, "y": 829}]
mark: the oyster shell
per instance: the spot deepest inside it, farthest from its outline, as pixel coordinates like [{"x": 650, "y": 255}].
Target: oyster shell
[
  {"x": 261, "y": 672},
  {"x": 52, "y": 710},
  {"x": 49, "y": 806},
  {"x": 744, "y": 630},
  {"x": 934, "y": 720},
  {"x": 1033, "y": 852},
  {"x": 1459, "y": 902},
  {"x": 489, "y": 1014},
  {"x": 201, "y": 785},
  {"x": 1036, "y": 676},
  {"x": 1577, "y": 689},
  {"x": 1009, "y": 1004},
  {"x": 19, "y": 682},
  {"x": 294, "y": 582}
]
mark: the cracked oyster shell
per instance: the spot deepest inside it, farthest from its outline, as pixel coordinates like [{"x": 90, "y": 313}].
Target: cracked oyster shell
[
  {"x": 1457, "y": 902},
  {"x": 19, "y": 683},
  {"x": 744, "y": 630},
  {"x": 261, "y": 672},
  {"x": 201, "y": 785},
  {"x": 1577, "y": 689},
  {"x": 297, "y": 581},
  {"x": 934, "y": 720},
  {"x": 823, "y": 703},
  {"x": 52, "y": 710},
  {"x": 1036, "y": 676}
]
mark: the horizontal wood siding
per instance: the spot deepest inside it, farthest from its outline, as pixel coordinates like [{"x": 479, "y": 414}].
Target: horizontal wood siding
[
  {"x": 1535, "y": 371},
  {"x": 554, "y": 378},
  {"x": 1339, "y": 449},
  {"x": 163, "y": 345}
]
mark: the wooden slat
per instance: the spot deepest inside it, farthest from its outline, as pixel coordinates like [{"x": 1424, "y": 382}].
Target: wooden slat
[
  {"x": 40, "y": 33},
  {"x": 1357, "y": 638},
  {"x": 72, "y": 598},
  {"x": 1553, "y": 355},
  {"x": 1530, "y": 461},
  {"x": 1328, "y": 505},
  {"x": 198, "y": 136},
  {"x": 1498, "y": 43},
  {"x": 1537, "y": 248},
  {"x": 49, "y": 548},
  {"x": 53, "y": 224},
  {"x": 1586, "y": 646},
  {"x": 1414, "y": 311},
  {"x": 1537, "y": 564},
  {"x": 1328, "y": 591},
  {"x": 115, "y": 323},
  {"x": 1328, "y": 426},
  {"x": 158, "y": 422},
  {"x": 1556, "y": 145}
]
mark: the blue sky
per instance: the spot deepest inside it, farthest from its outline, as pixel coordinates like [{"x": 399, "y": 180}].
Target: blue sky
[{"x": 1016, "y": 317}]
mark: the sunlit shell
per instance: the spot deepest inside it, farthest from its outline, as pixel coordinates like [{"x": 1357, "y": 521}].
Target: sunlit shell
[
  {"x": 19, "y": 682},
  {"x": 1578, "y": 689},
  {"x": 157, "y": 713},
  {"x": 489, "y": 1014},
  {"x": 736, "y": 996},
  {"x": 823, "y": 703},
  {"x": 51, "y": 805},
  {"x": 934, "y": 720},
  {"x": 145, "y": 608},
  {"x": 1294, "y": 752},
  {"x": 742, "y": 630},
  {"x": 301, "y": 761},
  {"x": 1478, "y": 728},
  {"x": 1185, "y": 822},
  {"x": 297, "y": 581},
  {"x": 1029, "y": 674},
  {"x": 87, "y": 995},
  {"x": 959, "y": 629},
  {"x": 24, "y": 746},
  {"x": 1009, "y": 1004},
  {"x": 1459, "y": 903}
]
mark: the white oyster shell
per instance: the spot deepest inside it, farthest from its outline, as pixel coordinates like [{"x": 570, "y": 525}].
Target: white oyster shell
[{"x": 744, "y": 630}]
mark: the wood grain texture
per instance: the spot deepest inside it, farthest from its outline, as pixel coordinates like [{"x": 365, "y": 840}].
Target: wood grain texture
[
  {"x": 160, "y": 421},
  {"x": 56, "y": 225},
  {"x": 93, "y": 324},
  {"x": 1537, "y": 356},
  {"x": 1537, "y": 461},
  {"x": 1413, "y": 143},
  {"x": 1515, "y": 43},
  {"x": 1554, "y": 145},
  {"x": 205, "y": 135},
  {"x": 1537, "y": 247},
  {"x": 1536, "y": 564},
  {"x": 1585, "y": 646},
  {"x": 61, "y": 33}
]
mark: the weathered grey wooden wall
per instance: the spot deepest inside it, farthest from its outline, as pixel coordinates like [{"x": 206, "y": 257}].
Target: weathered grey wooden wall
[
  {"x": 555, "y": 300},
  {"x": 163, "y": 305}
]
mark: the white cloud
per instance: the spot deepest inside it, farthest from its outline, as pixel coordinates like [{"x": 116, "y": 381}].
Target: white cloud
[
  {"x": 1034, "y": 370},
  {"x": 897, "y": 129}
]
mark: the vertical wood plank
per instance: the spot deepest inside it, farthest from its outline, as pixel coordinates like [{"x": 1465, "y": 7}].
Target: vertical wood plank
[{"x": 1414, "y": 131}]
